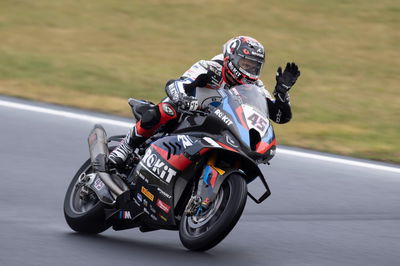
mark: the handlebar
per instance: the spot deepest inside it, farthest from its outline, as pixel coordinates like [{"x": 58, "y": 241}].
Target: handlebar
[{"x": 204, "y": 112}]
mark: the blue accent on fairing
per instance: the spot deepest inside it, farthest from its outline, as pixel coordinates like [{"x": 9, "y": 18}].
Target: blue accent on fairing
[
  {"x": 269, "y": 135},
  {"x": 207, "y": 172},
  {"x": 120, "y": 214},
  {"x": 244, "y": 133}
]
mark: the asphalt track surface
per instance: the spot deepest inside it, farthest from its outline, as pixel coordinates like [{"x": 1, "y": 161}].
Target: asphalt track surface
[{"x": 321, "y": 212}]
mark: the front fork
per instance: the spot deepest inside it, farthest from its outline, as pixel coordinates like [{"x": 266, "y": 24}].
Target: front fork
[{"x": 207, "y": 188}]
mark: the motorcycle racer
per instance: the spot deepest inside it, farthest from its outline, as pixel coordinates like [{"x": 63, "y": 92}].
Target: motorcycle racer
[{"x": 240, "y": 63}]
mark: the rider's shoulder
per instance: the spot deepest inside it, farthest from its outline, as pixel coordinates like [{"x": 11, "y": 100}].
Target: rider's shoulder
[
  {"x": 219, "y": 58},
  {"x": 259, "y": 83}
]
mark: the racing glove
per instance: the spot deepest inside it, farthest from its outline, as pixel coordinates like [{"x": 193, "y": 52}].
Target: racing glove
[
  {"x": 177, "y": 91},
  {"x": 285, "y": 81},
  {"x": 179, "y": 98}
]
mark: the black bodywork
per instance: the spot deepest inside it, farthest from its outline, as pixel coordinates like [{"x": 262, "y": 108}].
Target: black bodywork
[{"x": 169, "y": 168}]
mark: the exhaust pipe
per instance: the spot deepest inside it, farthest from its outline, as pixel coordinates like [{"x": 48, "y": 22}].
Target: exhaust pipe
[{"x": 98, "y": 155}]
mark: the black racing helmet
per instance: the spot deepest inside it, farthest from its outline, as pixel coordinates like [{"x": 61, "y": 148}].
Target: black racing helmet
[{"x": 244, "y": 58}]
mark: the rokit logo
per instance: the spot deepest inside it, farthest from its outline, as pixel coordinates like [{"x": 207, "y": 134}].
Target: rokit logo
[
  {"x": 157, "y": 167},
  {"x": 223, "y": 117}
]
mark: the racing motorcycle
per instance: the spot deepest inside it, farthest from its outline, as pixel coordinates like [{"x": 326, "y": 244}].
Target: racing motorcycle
[{"x": 192, "y": 179}]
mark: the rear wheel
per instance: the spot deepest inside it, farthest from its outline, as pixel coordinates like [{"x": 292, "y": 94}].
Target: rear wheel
[
  {"x": 83, "y": 211},
  {"x": 202, "y": 232}
]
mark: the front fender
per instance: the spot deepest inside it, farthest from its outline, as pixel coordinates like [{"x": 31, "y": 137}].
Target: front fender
[
  {"x": 214, "y": 175},
  {"x": 206, "y": 146}
]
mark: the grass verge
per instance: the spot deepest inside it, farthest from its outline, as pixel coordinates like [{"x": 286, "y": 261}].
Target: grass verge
[{"x": 96, "y": 54}]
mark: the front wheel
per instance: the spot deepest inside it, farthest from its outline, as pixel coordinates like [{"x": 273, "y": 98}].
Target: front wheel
[
  {"x": 83, "y": 211},
  {"x": 203, "y": 232}
]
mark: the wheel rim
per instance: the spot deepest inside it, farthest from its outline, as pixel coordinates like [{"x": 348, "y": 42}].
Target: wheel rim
[
  {"x": 195, "y": 226},
  {"x": 77, "y": 204}
]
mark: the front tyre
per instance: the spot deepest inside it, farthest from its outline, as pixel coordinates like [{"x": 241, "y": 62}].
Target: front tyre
[
  {"x": 200, "y": 233},
  {"x": 84, "y": 212}
]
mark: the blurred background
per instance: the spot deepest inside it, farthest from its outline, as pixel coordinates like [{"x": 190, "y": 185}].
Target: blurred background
[{"x": 94, "y": 54}]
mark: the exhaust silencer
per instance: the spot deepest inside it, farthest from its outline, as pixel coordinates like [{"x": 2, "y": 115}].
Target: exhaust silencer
[{"x": 98, "y": 155}]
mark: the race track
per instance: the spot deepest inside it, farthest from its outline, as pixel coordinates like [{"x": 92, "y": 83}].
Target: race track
[{"x": 332, "y": 211}]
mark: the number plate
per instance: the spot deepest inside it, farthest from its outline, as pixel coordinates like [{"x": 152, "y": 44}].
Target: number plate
[{"x": 255, "y": 120}]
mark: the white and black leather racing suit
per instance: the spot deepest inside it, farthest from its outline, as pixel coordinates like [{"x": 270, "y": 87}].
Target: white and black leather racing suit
[{"x": 201, "y": 81}]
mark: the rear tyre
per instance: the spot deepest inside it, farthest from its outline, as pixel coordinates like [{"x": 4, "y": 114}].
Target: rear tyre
[
  {"x": 205, "y": 232},
  {"x": 84, "y": 215}
]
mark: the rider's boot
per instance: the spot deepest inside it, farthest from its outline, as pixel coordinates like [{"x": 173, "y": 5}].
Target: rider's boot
[{"x": 132, "y": 140}]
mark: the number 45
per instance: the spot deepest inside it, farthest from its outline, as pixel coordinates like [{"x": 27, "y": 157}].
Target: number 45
[{"x": 258, "y": 121}]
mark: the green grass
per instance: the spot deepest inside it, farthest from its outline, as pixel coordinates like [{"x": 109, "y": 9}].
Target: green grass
[{"x": 95, "y": 54}]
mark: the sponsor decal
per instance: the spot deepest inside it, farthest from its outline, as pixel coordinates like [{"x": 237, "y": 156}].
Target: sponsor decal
[
  {"x": 147, "y": 193},
  {"x": 136, "y": 202},
  {"x": 168, "y": 109},
  {"x": 216, "y": 69},
  {"x": 162, "y": 192},
  {"x": 162, "y": 217},
  {"x": 163, "y": 206},
  {"x": 152, "y": 216},
  {"x": 258, "y": 54},
  {"x": 152, "y": 209},
  {"x": 157, "y": 167},
  {"x": 185, "y": 140},
  {"x": 146, "y": 211},
  {"x": 139, "y": 197},
  {"x": 223, "y": 117},
  {"x": 145, "y": 202},
  {"x": 143, "y": 177},
  {"x": 98, "y": 184},
  {"x": 125, "y": 215},
  {"x": 173, "y": 92},
  {"x": 234, "y": 70}
]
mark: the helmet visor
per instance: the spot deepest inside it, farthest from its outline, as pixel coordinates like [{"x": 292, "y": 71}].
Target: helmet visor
[{"x": 250, "y": 67}]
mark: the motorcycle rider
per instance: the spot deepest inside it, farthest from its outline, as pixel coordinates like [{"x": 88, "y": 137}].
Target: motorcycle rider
[{"x": 240, "y": 63}]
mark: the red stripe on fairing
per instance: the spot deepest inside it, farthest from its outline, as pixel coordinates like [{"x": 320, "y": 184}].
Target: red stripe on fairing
[
  {"x": 204, "y": 150},
  {"x": 179, "y": 162},
  {"x": 239, "y": 112},
  {"x": 262, "y": 146},
  {"x": 226, "y": 146}
]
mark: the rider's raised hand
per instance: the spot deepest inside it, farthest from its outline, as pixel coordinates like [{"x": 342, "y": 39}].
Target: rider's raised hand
[{"x": 285, "y": 80}]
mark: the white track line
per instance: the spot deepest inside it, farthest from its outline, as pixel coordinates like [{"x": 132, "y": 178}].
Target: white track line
[
  {"x": 94, "y": 119},
  {"x": 338, "y": 160},
  {"x": 88, "y": 118}
]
